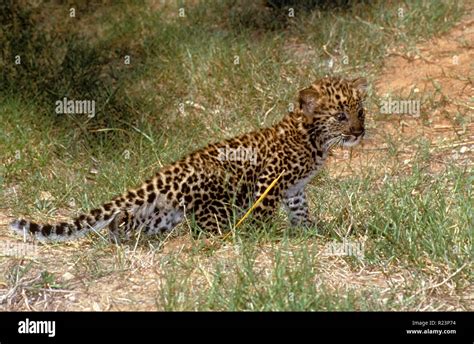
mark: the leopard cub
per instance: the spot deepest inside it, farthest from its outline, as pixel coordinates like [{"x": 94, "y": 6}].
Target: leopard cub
[{"x": 214, "y": 183}]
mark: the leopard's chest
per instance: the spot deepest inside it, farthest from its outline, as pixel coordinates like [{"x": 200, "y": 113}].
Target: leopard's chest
[
  {"x": 307, "y": 173},
  {"x": 300, "y": 183}
]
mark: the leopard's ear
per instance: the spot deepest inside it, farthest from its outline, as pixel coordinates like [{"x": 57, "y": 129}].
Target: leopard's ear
[
  {"x": 361, "y": 85},
  {"x": 308, "y": 101}
]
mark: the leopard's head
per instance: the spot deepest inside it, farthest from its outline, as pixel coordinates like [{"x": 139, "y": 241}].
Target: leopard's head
[{"x": 333, "y": 108}]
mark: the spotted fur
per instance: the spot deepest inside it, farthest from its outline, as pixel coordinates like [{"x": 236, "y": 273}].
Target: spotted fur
[{"x": 212, "y": 190}]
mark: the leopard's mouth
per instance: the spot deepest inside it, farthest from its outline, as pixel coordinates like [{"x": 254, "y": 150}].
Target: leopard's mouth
[
  {"x": 351, "y": 140},
  {"x": 344, "y": 140}
]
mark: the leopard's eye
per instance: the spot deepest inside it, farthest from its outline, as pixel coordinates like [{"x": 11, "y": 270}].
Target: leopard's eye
[{"x": 341, "y": 116}]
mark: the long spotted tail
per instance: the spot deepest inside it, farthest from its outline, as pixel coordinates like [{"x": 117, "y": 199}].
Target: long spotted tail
[{"x": 79, "y": 226}]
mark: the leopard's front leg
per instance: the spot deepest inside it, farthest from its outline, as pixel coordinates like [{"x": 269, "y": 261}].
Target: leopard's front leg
[{"x": 296, "y": 206}]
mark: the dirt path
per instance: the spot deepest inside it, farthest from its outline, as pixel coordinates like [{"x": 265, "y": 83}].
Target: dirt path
[{"x": 441, "y": 77}]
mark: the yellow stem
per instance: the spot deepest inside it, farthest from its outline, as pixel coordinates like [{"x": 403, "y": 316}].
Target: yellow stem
[{"x": 260, "y": 199}]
